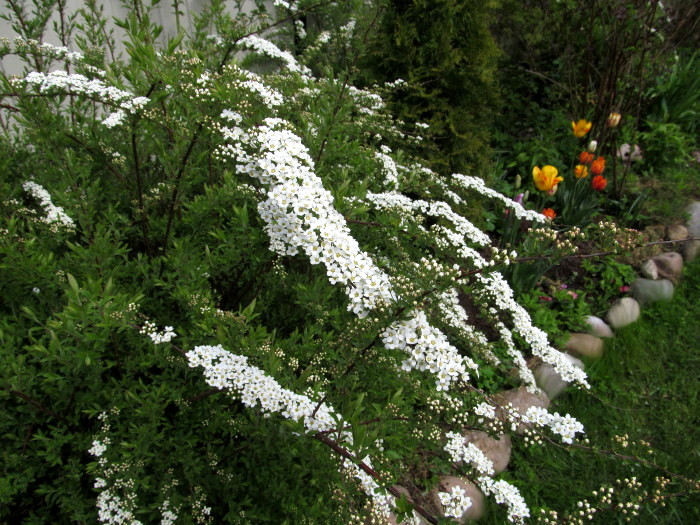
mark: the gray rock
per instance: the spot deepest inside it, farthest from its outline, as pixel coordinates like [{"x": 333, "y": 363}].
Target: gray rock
[
  {"x": 597, "y": 327},
  {"x": 691, "y": 249},
  {"x": 447, "y": 483},
  {"x": 693, "y": 223},
  {"x": 585, "y": 345},
  {"x": 649, "y": 269},
  {"x": 497, "y": 450},
  {"x": 647, "y": 291},
  {"x": 550, "y": 381},
  {"x": 623, "y": 312},
  {"x": 676, "y": 232},
  {"x": 669, "y": 265},
  {"x": 521, "y": 400}
]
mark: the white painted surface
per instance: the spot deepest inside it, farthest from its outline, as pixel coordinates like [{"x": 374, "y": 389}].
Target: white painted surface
[{"x": 162, "y": 15}]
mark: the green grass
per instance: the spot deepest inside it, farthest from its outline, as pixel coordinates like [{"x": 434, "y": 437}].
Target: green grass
[{"x": 645, "y": 386}]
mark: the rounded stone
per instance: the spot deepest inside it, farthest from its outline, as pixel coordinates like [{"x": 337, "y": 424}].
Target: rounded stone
[
  {"x": 447, "y": 483},
  {"x": 649, "y": 269},
  {"x": 497, "y": 450},
  {"x": 624, "y": 312},
  {"x": 676, "y": 232},
  {"x": 550, "y": 381},
  {"x": 521, "y": 400},
  {"x": 647, "y": 291},
  {"x": 598, "y": 327},
  {"x": 585, "y": 345},
  {"x": 669, "y": 266},
  {"x": 693, "y": 223},
  {"x": 691, "y": 250}
]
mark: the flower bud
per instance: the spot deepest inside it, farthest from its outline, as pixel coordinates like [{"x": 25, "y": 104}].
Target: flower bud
[
  {"x": 614, "y": 120},
  {"x": 518, "y": 181},
  {"x": 592, "y": 145}
]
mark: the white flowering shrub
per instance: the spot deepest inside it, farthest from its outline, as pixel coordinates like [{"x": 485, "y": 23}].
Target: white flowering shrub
[{"x": 251, "y": 297}]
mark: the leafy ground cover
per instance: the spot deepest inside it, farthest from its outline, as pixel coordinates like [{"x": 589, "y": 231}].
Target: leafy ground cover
[{"x": 645, "y": 404}]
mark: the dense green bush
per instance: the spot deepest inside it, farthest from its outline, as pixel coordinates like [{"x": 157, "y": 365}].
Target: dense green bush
[
  {"x": 446, "y": 54},
  {"x": 229, "y": 297}
]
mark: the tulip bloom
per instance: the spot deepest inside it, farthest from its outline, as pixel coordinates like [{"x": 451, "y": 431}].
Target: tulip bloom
[
  {"x": 585, "y": 157},
  {"x": 581, "y": 171},
  {"x": 549, "y": 213},
  {"x": 614, "y": 120},
  {"x": 581, "y": 127},
  {"x": 599, "y": 182},
  {"x": 547, "y": 178},
  {"x": 598, "y": 166}
]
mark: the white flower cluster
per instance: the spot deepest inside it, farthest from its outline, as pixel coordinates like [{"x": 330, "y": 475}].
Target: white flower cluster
[
  {"x": 168, "y": 516},
  {"x": 477, "y": 184},
  {"x": 113, "y": 510},
  {"x": 81, "y": 85},
  {"x": 267, "y": 48},
  {"x": 271, "y": 97},
  {"x": 456, "y": 317},
  {"x": 500, "y": 294},
  {"x": 565, "y": 426},
  {"x": 59, "y": 52},
  {"x": 299, "y": 213},
  {"x": 456, "y": 503},
  {"x": 485, "y": 410},
  {"x": 526, "y": 375},
  {"x": 300, "y": 29},
  {"x": 98, "y": 448},
  {"x": 253, "y": 83},
  {"x": 435, "y": 209},
  {"x": 54, "y": 214},
  {"x": 460, "y": 450},
  {"x": 391, "y": 174},
  {"x": 449, "y": 239},
  {"x": 286, "y": 4},
  {"x": 368, "y": 102},
  {"x": 506, "y": 493},
  {"x": 151, "y": 330},
  {"x": 427, "y": 349},
  {"x": 223, "y": 369}
]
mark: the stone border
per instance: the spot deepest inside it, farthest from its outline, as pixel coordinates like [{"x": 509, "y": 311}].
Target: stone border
[{"x": 660, "y": 275}]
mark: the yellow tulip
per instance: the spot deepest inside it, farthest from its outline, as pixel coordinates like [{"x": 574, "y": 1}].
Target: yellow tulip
[
  {"x": 581, "y": 127},
  {"x": 580, "y": 171},
  {"x": 547, "y": 178}
]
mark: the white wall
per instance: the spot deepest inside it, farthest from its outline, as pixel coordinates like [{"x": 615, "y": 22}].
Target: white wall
[{"x": 161, "y": 15}]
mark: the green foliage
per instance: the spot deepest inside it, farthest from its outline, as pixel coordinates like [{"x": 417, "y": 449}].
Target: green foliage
[
  {"x": 605, "y": 280},
  {"x": 446, "y": 54},
  {"x": 135, "y": 197},
  {"x": 646, "y": 395},
  {"x": 558, "y": 311}
]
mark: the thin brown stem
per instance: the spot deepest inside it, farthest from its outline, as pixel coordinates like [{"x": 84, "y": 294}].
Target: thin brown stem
[
  {"x": 37, "y": 405},
  {"x": 335, "y": 447}
]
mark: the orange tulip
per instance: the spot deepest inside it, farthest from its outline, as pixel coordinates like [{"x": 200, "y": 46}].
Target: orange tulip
[
  {"x": 549, "y": 213},
  {"x": 547, "y": 178},
  {"x": 585, "y": 157},
  {"x": 581, "y": 171},
  {"x": 581, "y": 127},
  {"x": 599, "y": 182},
  {"x": 598, "y": 166}
]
